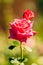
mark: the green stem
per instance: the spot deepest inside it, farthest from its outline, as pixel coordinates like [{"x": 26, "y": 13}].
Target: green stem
[{"x": 21, "y": 48}]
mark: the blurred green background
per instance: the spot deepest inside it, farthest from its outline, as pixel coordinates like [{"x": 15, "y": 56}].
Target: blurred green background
[{"x": 11, "y": 9}]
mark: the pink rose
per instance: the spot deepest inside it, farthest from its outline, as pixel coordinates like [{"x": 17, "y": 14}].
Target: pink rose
[
  {"x": 28, "y": 14},
  {"x": 21, "y": 29}
]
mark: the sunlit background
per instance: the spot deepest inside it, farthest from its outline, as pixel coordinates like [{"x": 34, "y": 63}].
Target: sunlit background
[{"x": 11, "y": 9}]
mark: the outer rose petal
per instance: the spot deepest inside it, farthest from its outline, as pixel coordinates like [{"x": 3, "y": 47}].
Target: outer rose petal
[
  {"x": 17, "y": 36},
  {"x": 28, "y": 14},
  {"x": 12, "y": 34},
  {"x": 34, "y": 32}
]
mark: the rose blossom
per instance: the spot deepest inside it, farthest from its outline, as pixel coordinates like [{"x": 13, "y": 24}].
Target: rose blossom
[
  {"x": 28, "y": 14},
  {"x": 21, "y": 29}
]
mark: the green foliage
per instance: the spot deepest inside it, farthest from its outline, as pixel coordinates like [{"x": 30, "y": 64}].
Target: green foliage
[
  {"x": 28, "y": 48},
  {"x": 11, "y": 47},
  {"x": 40, "y": 6},
  {"x": 16, "y": 43}
]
